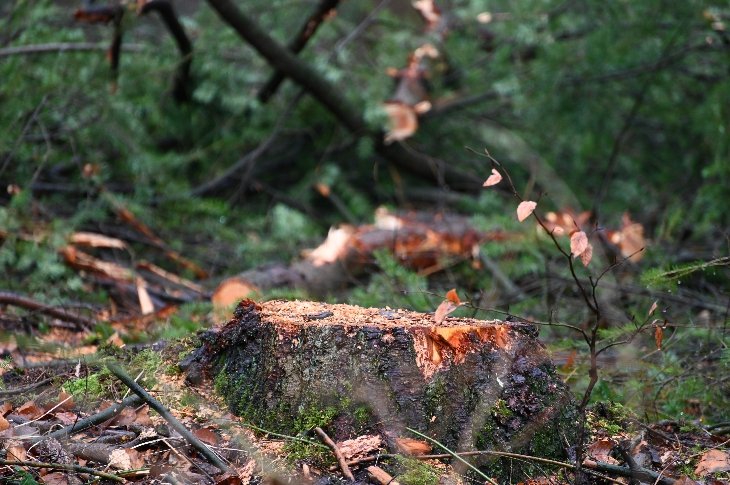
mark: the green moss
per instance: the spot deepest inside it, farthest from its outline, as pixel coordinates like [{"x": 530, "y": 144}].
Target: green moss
[
  {"x": 91, "y": 387},
  {"x": 501, "y": 410},
  {"x": 416, "y": 472}
]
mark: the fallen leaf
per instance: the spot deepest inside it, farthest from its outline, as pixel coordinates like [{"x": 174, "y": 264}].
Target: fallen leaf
[
  {"x": 525, "y": 208},
  {"x": 587, "y": 255},
  {"x": 493, "y": 179},
  {"x": 410, "y": 446},
  {"x": 65, "y": 401},
  {"x": 600, "y": 450},
  {"x": 16, "y": 452},
  {"x": 4, "y": 424},
  {"x": 30, "y": 410},
  {"x": 207, "y": 435},
  {"x": 66, "y": 418},
  {"x": 55, "y": 478},
  {"x": 578, "y": 243},
  {"x": 713, "y": 461},
  {"x": 126, "y": 459}
]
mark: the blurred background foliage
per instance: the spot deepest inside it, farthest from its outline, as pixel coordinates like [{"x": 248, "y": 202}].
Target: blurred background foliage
[{"x": 613, "y": 107}]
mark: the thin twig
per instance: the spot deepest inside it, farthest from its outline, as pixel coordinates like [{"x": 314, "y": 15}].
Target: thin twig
[
  {"x": 29, "y": 387},
  {"x": 122, "y": 375},
  {"x": 61, "y": 47},
  {"x": 61, "y": 466},
  {"x": 338, "y": 454},
  {"x": 15, "y": 299}
]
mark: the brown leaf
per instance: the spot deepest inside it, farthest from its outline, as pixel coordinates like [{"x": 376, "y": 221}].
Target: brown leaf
[
  {"x": 16, "y": 452},
  {"x": 578, "y": 243},
  {"x": 30, "y": 410},
  {"x": 66, "y": 418},
  {"x": 713, "y": 461},
  {"x": 600, "y": 450},
  {"x": 493, "y": 179},
  {"x": 658, "y": 336},
  {"x": 65, "y": 401},
  {"x": 444, "y": 309},
  {"x": 55, "y": 478},
  {"x": 453, "y": 297},
  {"x": 587, "y": 255},
  {"x": 4, "y": 424},
  {"x": 653, "y": 308},
  {"x": 525, "y": 208},
  {"x": 410, "y": 446},
  {"x": 207, "y": 435},
  {"x": 126, "y": 459}
]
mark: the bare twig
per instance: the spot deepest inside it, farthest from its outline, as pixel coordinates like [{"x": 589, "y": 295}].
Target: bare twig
[
  {"x": 338, "y": 454},
  {"x": 122, "y": 375},
  {"x": 93, "y": 420},
  {"x": 61, "y": 47},
  {"x": 15, "y": 299},
  {"x": 61, "y": 466},
  {"x": 23, "y": 389}
]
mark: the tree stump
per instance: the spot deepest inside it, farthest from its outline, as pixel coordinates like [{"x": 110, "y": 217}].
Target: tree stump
[{"x": 288, "y": 366}]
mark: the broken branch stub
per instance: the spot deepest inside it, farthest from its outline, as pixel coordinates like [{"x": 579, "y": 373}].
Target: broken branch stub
[{"x": 289, "y": 365}]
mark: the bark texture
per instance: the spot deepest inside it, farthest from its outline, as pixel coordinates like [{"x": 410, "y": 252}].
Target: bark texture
[{"x": 470, "y": 384}]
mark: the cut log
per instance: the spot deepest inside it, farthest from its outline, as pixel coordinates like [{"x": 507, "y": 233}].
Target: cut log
[
  {"x": 419, "y": 240},
  {"x": 470, "y": 384}
]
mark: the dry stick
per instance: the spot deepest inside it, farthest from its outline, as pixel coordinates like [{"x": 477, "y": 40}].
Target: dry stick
[
  {"x": 180, "y": 91},
  {"x": 297, "y": 44},
  {"x": 15, "y": 299},
  {"x": 331, "y": 97},
  {"x": 21, "y": 390},
  {"x": 338, "y": 454},
  {"x": 93, "y": 420},
  {"x": 61, "y": 47},
  {"x": 61, "y": 466},
  {"x": 157, "y": 406}
]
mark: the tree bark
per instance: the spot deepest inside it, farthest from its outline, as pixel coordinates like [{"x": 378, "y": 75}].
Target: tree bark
[{"x": 470, "y": 384}]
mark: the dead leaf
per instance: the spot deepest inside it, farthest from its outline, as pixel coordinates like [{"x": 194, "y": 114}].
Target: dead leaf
[
  {"x": 685, "y": 480},
  {"x": 658, "y": 336},
  {"x": 652, "y": 308},
  {"x": 66, "y": 418},
  {"x": 578, "y": 243},
  {"x": 600, "y": 450},
  {"x": 4, "y": 424},
  {"x": 65, "y": 401},
  {"x": 444, "y": 309},
  {"x": 713, "y": 461},
  {"x": 207, "y": 435},
  {"x": 413, "y": 447},
  {"x": 55, "y": 478},
  {"x": 142, "y": 417},
  {"x": 493, "y": 179},
  {"x": 126, "y": 459},
  {"x": 30, "y": 410},
  {"x": 525, "y": 208},
  {"x": 115, "y": 340},
  {"x": 16, "y": 452},
  {"x": 453, "y": 297},
  {"x": 587, "y": 255}
]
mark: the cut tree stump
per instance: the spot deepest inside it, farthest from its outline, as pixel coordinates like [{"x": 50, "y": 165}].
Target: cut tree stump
[{"x": 288, "y": 366}]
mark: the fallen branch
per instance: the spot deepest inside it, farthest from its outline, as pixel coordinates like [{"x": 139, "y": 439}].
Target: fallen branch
[
  {"x": 174, "y": 423},
  {"x": 21, "y": 390},
  {"x": 297, "y": 44},
  {"x": 60, "y": 48},
  {"x": 60, "y": 466},
  {"x": 93, "y": 420},
  {"x": 338, "y": 454},
  {"x": 15, "y": 299},
  {"x": 331, "y": 97}
]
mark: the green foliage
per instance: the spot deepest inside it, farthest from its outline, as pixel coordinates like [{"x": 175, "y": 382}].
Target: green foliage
[
  {"x": 92, "y": 387},
  {"x": 416, "y": 472}
]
